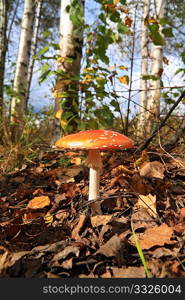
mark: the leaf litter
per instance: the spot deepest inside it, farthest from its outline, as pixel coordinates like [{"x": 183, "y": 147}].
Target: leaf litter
[{"x": 47, "y": 229}]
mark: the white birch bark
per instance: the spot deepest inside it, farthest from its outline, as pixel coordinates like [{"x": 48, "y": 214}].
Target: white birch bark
[
  {"x": 70, "y": 43},
  {"x": 20, "y": 83},
  {"x": 70, "y": 40},
  {"x": 33, "y": 48},
  {"x": 144, "y": 68},
  {"x": 153, "y": 103},
  {"x": 3, "y": 27}
]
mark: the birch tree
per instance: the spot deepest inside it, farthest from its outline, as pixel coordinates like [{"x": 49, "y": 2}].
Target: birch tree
[
  {"x": 3, "y": 45},
  {"x": 156, "y": 70},
  {"x": 70, "y": 43},
  {"x": 144, "y": 68},
  {"x": 33, "y": 48},
  {"x": 20, "y": 83}
]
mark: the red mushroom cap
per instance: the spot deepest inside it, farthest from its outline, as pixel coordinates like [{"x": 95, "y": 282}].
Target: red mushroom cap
[{"x": 95, "y": 139}]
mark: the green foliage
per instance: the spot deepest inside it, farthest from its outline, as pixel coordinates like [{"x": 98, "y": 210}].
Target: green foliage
[{"x": 155, "y": 35}]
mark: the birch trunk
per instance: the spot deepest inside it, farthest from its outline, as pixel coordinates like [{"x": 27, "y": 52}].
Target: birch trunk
[
  {"x": 153, "y": 103},
  {"x": 20, "y": 83},
  {"x": 71, "y": 42},
  {"x": 3, "y": 44},
  {"x": 144, "y": 69},
  {"x": 33, "y": 48}
]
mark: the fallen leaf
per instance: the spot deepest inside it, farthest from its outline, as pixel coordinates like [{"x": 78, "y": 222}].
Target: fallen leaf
[
  {"x": 100, "y": 220},
  {"x": 142, "y": 219},
  {"x": 79, "y": 227},
  {"x": 130, "y": 272},
  {"x": 182, "y": 212},
  {"x": 67, "y": 264},
  {"x": 8, "y": 259},
  {"x": 120, "y": 170},
  {"x": 148, "y": 202},
  {"x": 28, "y": 217},
  {"x": 152, "y": 169},
  {"x": 39, "y": 202},
  {"x": 69, "y": 250},
  {"x": 156, "y": 236},
  {"x": 140, "y": 185},
  {"x": 111, "y": 248}
]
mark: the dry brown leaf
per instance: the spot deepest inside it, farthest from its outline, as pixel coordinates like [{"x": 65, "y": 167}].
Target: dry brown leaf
[
  {"x": 128, "y": 21},
  {"x": 140, "y": 185},
  {"x": 100, "y": 220},
  {"x": 182, "y": 212},
  {"x": 28, "y": 217},
  {"x": 79, "y": 227},
  {"x": 112, "y": 247},
  {"x": 8, "y": 259},
  {"x": 39, "y": 202},
  {"x": 142, "y": 219},
  {"x": 63, "y": 254},
  {"x": 121, "y": 169},
  {"x": 130, "y": 272},
  {"x": 153, "y": 169},
  {"x": 67, "y": 264},
  {"x": 148, "y": 202},
  {"x": 156, "y": 236}
]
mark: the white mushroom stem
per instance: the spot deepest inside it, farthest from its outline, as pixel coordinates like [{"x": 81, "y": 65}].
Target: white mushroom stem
[
  {"x": 94, "y": 162},
  {"x": 94, "y": 183}
]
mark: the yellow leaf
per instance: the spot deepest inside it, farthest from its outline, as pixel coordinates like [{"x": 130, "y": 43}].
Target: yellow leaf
[
  {"x": 76, "y": 160},
  {"x": 124, "y": 79},
  {"x": 123, "y": 68},
  {"x": 116, "y": 2},
  {"x": 63, "y": 123},
  {"x": 59, "y": 113},
  {"x": 150, "y": 21},
  {"x": 88, "y": 70},
  {"x": 48, "y": 218},
  {"x": 112, "y": 68}
]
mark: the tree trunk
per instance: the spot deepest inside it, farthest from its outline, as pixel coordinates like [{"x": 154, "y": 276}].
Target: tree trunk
[
  {"x": 71, "y": 42},
  {"x": 3, "y": 47},
  {"x": 153, "y": 103},
  {"x": 144, "y": 69},
  {"x": 33, "y": 48},
  {"x": 20, "y": 84}
]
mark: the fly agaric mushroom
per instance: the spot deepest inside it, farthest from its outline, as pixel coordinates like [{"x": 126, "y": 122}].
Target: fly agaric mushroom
[{"x": 93, "y": 141}]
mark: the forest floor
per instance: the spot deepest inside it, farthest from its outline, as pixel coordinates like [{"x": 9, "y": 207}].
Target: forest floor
[{"x": 47, "y": 228}]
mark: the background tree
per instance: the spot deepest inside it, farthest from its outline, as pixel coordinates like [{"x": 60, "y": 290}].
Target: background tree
[
  {"x": 3, "y": 48},
  {"x": 156, "y": 69},
  {"x": 144, "y": 68},
  {"x": 20, "y": 84},
  {"x": 69, "y": 63}
]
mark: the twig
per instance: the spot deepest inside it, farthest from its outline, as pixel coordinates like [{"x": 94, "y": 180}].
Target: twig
[
  {"x": 131, "y": 72},
  {"x": 147, "y": 142}
]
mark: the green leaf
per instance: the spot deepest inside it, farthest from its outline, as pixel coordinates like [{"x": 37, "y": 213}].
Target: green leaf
[
  {"x": 150, "y": 77},
  {"x": 43, "y": 50},
  {"x": 115, "y": 104},
  {"x": 122, "y": 28},
  {"x": 114, "y": 17},
  {"x": 55, "y": 46},
  {"x": 168, "y": 32},
  {"x": 155, "y": 35}
]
